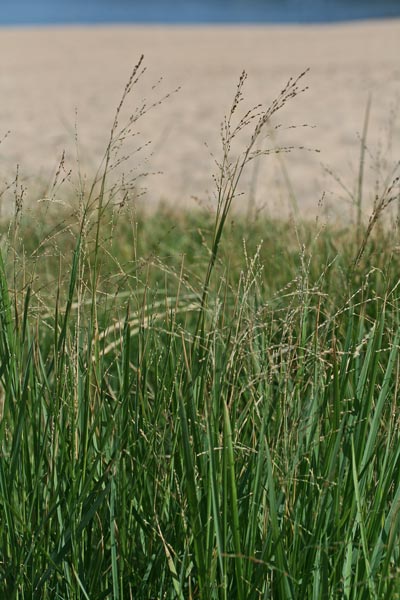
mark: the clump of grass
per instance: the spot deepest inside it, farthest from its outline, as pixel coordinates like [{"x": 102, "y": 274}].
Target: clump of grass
[{"x": 198, "y": 408}]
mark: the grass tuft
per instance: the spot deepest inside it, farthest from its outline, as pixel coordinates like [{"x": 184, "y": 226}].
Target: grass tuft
[{"x": 197, "y": 406}]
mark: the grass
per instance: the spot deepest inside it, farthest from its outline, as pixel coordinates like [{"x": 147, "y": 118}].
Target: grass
[{"x": 198, "y": 405}]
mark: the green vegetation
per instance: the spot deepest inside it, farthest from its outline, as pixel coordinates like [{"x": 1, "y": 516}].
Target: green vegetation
[{"x": 198, "y": 405}]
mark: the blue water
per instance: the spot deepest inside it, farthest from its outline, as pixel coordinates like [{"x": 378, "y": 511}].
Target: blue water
[{"x": 46, "y": 12}]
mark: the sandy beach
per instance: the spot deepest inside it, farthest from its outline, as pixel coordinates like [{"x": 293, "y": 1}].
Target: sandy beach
[{"x": 53, "y": 79}]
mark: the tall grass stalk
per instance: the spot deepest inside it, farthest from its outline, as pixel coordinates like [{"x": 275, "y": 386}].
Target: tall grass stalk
[{"x": 363, "y": 146}]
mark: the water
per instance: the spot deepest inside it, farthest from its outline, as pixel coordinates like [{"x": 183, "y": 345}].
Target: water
[{"x": 43, "y": 12}]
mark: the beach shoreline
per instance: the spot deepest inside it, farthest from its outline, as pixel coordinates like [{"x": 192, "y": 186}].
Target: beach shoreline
[{"x": 55, "y": 81}]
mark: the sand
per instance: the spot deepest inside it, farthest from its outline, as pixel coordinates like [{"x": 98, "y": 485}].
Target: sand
[{"x": 55, "y": 80}]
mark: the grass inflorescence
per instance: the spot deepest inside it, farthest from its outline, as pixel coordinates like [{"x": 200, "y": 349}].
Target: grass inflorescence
[{"x": 198, "y": 405}]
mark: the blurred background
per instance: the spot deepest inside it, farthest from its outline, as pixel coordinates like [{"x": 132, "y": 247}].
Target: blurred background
[
  {"x": 59, "y": 84},
  {"x": 43, "y": 12}
]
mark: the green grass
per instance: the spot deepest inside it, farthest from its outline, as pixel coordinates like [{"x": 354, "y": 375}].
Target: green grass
[{"x": 198, "y": 405}]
